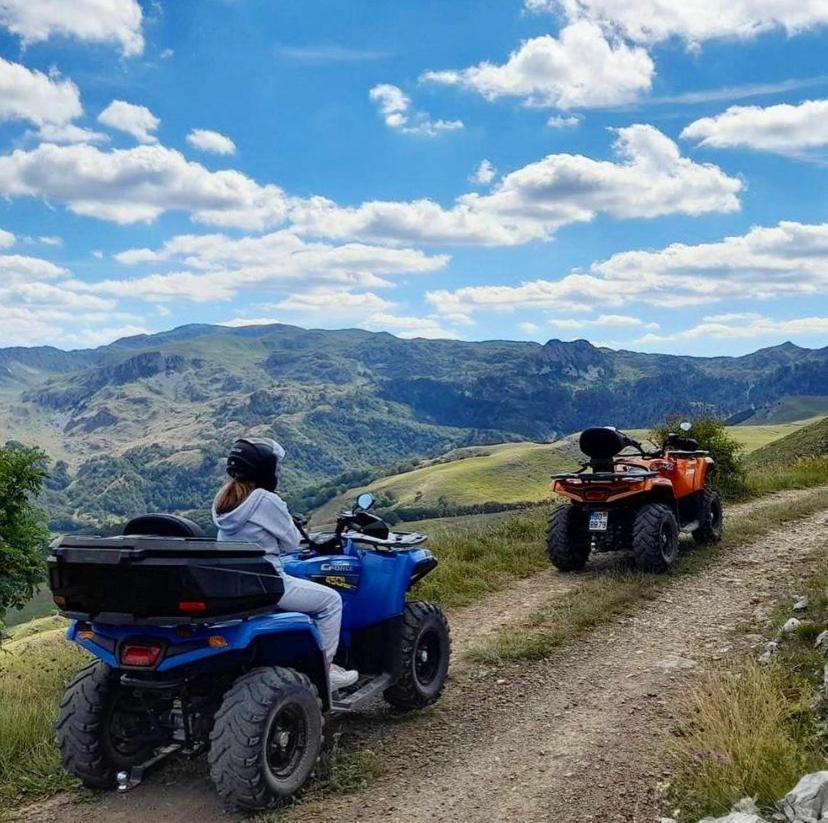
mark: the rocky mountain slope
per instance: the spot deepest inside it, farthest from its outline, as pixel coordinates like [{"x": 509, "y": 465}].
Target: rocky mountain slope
[{"x": 143, "y": 422}]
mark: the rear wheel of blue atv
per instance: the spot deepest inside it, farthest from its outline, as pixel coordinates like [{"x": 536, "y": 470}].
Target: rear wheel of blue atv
[
  {"x": 266, "y": 737},
  {"x": 103, "y": 728},
  {"x": 426, "y": 649}
]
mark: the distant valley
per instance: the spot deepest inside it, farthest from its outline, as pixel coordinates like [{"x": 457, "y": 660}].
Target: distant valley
[{"x": 144, "y": 423}]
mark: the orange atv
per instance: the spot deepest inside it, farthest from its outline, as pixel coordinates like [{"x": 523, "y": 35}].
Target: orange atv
[{"x": 624, "y": 497}]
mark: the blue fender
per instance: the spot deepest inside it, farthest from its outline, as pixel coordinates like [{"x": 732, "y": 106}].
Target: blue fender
[{"x": 280, "y": 639}]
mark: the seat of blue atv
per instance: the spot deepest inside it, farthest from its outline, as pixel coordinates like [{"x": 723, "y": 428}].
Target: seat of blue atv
[{"x": 163, "y": 525}]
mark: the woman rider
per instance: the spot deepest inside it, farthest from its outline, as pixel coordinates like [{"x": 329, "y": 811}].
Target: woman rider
[{"x": 247, "y": 508}]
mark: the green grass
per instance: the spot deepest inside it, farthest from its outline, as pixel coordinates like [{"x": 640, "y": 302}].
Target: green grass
[
  {"x": 506, "y": 473},
  {"x": 801, "y": 475},
  {"x": 600, "y": 598},
  {"x": 478, "y": 555},
  {"x": 34, "y": 668},
  {"x": 752, "y": 730},
  {"x": 790, "y": 409},
  {"x": 476, "y": 559},
  {"x": 747, "y": 732},
  {"x": 754, "y": 437},
  {"x": 806, "y": 443}
]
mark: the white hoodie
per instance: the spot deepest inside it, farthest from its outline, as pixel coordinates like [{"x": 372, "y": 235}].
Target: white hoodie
[{"x": 264, "y": 519}]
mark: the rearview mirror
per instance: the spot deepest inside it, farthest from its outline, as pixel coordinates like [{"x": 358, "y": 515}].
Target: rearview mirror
[
  {"x": 365, "y": 501},
  {"x": 685, "y": 426}
]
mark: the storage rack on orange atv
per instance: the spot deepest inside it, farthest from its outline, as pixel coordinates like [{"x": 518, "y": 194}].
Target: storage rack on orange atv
[{"x": 639, "y": 501}]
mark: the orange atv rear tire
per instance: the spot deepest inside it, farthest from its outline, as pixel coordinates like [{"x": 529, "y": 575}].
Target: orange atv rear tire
[
  {"x": 711, "y": 519},
  {"x": 568, "y": 540},
  {"x": 655, "y": 538}
]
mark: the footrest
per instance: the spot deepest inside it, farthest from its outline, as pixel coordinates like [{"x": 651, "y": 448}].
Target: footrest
[{"x": 366, "y": 690}]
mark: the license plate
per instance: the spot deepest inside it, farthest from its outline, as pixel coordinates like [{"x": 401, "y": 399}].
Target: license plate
[{"x": 598, "y": 521}]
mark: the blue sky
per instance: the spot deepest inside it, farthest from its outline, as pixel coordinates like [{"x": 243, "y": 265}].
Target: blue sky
[{"x": 648, "y": 176}]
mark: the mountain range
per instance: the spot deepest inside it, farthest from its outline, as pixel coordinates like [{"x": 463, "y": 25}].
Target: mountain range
[{"x": 143, "y": 423}]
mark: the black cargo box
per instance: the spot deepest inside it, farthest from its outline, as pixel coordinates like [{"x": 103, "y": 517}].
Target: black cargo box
[{"x": 140, "y": 579}]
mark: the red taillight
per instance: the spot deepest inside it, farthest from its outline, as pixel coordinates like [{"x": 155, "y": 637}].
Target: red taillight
[
  {"x": 192, "y": 606},
  {"x": 595, "y": 495},
  {"x": 132, "y": 655}
]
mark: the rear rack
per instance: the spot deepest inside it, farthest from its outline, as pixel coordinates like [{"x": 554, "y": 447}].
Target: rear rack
[{"x": 604, "y": 477}]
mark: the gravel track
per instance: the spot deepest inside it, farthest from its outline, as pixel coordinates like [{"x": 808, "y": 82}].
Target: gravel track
[{"x": 576, "y": 737}]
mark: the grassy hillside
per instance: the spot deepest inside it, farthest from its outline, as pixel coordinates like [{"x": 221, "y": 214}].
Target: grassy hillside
[
  {"x": 790, "y": 409},
  {"x": 754, "y": 437},
  {"x": 806, "y": 442},
  {"x": 506, "y": 473}
]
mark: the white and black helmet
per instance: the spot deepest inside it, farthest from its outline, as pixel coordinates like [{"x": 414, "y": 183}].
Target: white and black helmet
[{"x": 256, "y": 459}]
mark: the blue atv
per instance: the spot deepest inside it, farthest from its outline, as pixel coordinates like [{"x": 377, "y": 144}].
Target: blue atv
[{"x": 193, "y": 654}]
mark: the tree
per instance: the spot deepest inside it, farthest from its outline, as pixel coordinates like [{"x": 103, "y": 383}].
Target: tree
[
  {"x": 23, "y": 533},
  {"x": 713, "y": 436}
]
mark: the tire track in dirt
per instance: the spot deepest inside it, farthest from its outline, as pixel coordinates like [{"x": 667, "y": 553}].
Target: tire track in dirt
[
  {"x": 520, "y": 743},
  {"x": 475, "y": 623},
  {"x": 576, "y": 737}
]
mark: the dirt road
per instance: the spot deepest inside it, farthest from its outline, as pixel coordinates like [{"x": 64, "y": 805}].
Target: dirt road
[{"x": 573, "y": 738}]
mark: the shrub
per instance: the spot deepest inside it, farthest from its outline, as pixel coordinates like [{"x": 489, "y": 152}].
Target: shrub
[
  {"x": 712, "y": 435},
  {"x": 23, "y": 533}
]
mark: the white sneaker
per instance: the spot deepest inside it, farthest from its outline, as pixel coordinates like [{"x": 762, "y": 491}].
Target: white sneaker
[{"x": 341, "y": 678}]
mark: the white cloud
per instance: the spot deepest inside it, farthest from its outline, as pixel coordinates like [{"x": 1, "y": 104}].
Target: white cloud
[
  {"x": 91, "y": 337},
  {"x": 744, "y": 326},
  {"x": 529, "y": 328},
  {"x": 211, "y": 141},
  {"x": 653, "y": 21},
  {"x": 7, "y": 239},
  {"x": 783, "y": 128},
  {"x": 239, "y": 322},
  {"x": 216, "y": 267},
  {"x": 409, "y": 327},
  {"x": 17, "y": 268},
  {"x": 650, "y": 179},
  {"x": 538, "y": 6},
  {"x": 101, "y": 21},
  {"x": 395, "y": 107},
  {"x": 483, "y": 174},
  {"x": 139, "y": 184},
  {"x": 27, "y": 94},
  {"x": 68, "y": 133},
  {"x": 218, "y": 251},
  {"x": 138, "y": 121},
  {"x": 556, "y": 121},
  {"x": 603, "y": 320},
  {"x": 739, "y": 92},
  {"x": 787, "y": 259},
  {"x": 344, "y": 305},
  {"x": 581, "y": 68},
  {"x": 38, "y": 299}
]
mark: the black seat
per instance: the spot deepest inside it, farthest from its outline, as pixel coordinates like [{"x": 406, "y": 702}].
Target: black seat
[
  {"x": 602, "y": 444},
  {"x": 163, "y": 525},
  {"x": 681, "y": 443}
]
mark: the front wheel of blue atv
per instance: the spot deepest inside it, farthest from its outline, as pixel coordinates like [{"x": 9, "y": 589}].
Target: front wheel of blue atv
[
  {"x": 266, "y": 737},
  {"x": 426, "y": 648}
]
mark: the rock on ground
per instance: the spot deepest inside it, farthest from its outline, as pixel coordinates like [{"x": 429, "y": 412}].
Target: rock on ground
[{"x": 808, "y": 800}]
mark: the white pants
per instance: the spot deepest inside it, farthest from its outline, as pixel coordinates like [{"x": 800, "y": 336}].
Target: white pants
[{"x": 323, "y": 604}]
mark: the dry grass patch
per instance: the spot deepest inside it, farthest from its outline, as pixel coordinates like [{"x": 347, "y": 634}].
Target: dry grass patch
[{"x": 749, "y": 732}]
